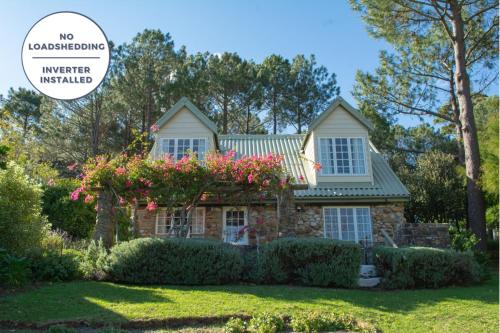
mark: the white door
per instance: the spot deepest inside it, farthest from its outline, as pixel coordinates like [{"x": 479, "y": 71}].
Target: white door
[{"x": 235, "y": 223}]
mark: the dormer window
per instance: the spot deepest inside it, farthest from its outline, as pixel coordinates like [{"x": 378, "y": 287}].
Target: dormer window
[
  {"x": 342, "y": 156},
  {"x": 178, "y": 148}
]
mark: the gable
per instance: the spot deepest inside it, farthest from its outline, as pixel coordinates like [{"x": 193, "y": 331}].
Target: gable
[{"x": 182, "y": 105}]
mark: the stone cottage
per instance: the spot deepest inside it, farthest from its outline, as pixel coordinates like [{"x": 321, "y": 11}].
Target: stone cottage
[{"x": 355, "y": 196}]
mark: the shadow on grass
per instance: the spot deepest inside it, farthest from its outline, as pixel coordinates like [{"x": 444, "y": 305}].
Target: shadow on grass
[{"x": 103, "y": 302}]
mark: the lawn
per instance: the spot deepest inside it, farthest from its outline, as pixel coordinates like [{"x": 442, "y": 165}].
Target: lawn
[{"x": 472, "y": 309}]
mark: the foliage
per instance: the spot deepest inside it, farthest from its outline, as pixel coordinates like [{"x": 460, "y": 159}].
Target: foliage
[
  {"x": 23, "y": 106},
  {"x": 462, "y": 239},
  {"x": 437, "y": 189},
  {"x": 110, "y": 303},
  {"x": 3, "y": 156},
  {"x": 313, "y": 321},
  {"x": 311, "y": 261},
  {"x": 235, "y": 325},
  {"x": 77, "y": 218},
  {"x": 94, "y": 260},
  {"x": 406, "y": 268},
  {"x": 22, "y": 225},
  {"x": 266, "y": 323},
  {"x": 55, "y": 266},
  {"x": 174, "y": 261},
  {"x": 14, "y": 270}
]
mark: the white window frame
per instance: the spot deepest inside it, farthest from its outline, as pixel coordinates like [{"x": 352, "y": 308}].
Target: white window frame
[
  {"x": 176, "y": 145},
  {"x": 349, "y": 151},
  {"x": 244, "y": 239},
  {"x": 164, "y": 210},
  {"x": 355, "y": 218}
]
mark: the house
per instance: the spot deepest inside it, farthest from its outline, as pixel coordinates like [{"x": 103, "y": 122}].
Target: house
[{"x": 355, "y": 196}]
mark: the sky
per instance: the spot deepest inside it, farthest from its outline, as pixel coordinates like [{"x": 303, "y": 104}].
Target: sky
[{"x": 329, "y": 29}]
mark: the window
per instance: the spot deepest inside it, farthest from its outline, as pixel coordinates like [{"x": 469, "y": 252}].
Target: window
[
  {"x": 235, "y": 222},
  {"x": 342, "y": 156},
  {"x": 345, "y": 223},
  {"x": 178, "y": 148},
  {"x": 165, "y": 222}
]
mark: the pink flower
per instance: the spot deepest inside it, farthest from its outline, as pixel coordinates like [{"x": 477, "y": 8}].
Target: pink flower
[
  {"x": 266, "y": 183},
  {"x": 72, "y": 167},
  {"x": 301, "y": 178},
  {"x": 51, "y": 182},
  {"x": 88, "y": 198},
  {"x": 152, "y": 206},
  {"x": 75, "y": 195},
  {"x": 128, "y": 183},
  {"x": 317, "y": 166},
  {"x": 120, "y": 171},
  {"x": 250, "y": 178},
  {"x": 154, "y": 128}
]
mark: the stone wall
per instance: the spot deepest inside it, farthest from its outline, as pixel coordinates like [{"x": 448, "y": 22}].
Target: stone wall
[
  {"x": 423, "y": 234},
  {"x": 295, "y": 221},
  {"x": 387, "y": 217}
]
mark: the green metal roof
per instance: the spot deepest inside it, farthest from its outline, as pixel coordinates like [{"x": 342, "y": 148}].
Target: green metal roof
[
  {"x": 386, "y": 184},
  {"x": 185, "y": 102}
]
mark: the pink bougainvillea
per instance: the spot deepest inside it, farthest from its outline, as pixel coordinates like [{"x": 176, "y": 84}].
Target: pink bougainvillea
[
  {"x": 154, "y": 128},
  {"x": 317, "y": 166}
]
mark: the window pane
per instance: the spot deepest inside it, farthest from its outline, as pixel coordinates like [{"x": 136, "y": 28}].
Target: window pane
[
  {"x": 364, "y": 224},
  {"x": 347, "y": 224},
  {"x": 168, "y": 147},
  {"x": 342, "y": 155},
  {"x": 331, "y": 223},
  {"x": 182, "y": 147},
  {"x": 327, "y": 156},
  {"x": 235, "y": 222},
  {"x": 358, "y": 156},
  {"x": 197, "y": 221},
  {"x": 199, "y": 147}
]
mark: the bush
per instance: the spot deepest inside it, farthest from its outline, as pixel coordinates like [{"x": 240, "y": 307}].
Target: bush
[
  {"x": 174, "y": 261},
  {"x": 55, "y": 266},
  {"x": 14, "y": 271},
  {"x": 235, "y": 325},
  {"x": 311, "y": 322},
  {"x": 75, "y": 217},
  {"x": 22, "y": 225},
  {"x": 404, "y": 268},
  {"x": 94, "y": 260},
  {"x": 266, "y": 323},
  {"x": 311, "y": 261}
]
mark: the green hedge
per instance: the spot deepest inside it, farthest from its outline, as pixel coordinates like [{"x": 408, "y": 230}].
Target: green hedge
[
  {"x": 419, "y": 267},
  {"x": 310, "y": 261},
  {"x": 174, "y": 261}
]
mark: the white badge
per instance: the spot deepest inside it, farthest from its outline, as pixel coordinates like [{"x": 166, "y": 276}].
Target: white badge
[{"x": 65, "y": 55}]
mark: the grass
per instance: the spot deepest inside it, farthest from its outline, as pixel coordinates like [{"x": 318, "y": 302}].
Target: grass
[{"x": 457, "y": 309}]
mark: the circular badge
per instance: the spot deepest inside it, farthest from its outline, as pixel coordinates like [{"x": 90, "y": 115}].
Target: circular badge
[{"x": 65, "y": 55}]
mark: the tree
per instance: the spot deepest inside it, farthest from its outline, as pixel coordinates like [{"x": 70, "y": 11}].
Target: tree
[
  {"x": 274, "y": 73},
  {"x": 470, "y": 27},
  {"x": 311, "y": 89},
  {"x": 142, "y": 75},
  {"x": 225, "y": 76},
  {"x": 23, "y": 106},
  {"x": 437, "y": 191}
]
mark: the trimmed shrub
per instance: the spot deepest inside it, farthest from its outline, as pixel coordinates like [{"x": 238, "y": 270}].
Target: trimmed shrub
[
  {"x": 55, "y": 266},
  {"x": 14, "y": 271},
  {"x": 311, "y": 261},
  {"x": 174, "y": 261},
  {"x": 419, "y": 267}
]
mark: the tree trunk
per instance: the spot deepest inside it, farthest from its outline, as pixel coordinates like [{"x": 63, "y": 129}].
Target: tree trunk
[
  {"x": 104, "y": 227},
  {"x": 475, "y": 207},
  {"x": 456, "y": 118},
  {"x": 224, "y": 116},
  {"x": 247, "y": 129}
]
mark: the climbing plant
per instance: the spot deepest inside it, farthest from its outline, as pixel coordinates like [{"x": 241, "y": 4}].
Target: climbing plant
[{"x": 130, "y": 180}]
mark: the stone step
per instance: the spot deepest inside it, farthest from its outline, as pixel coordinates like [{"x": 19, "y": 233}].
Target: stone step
[
  {"x": 367, "y": 271},
  {"x": 368, "y": 282}
]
